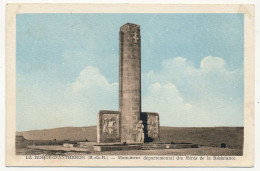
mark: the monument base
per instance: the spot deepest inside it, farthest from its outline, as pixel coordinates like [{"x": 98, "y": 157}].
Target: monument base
[
  {"x": 179, "y": 146},
  {"x": 116, "y": 147},
  {"x": 140, "y": 146},
  {"x": 108, "y": 127},
  {"x": 154, "y": 146}
]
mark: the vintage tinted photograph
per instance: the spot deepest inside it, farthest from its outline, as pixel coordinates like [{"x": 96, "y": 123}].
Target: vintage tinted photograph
[{"x": 154, "y": 84}]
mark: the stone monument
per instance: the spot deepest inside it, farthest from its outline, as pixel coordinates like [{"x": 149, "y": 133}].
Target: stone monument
[
  {"x": 129, "y": 125},
  {"x": 129, "y": 81}
]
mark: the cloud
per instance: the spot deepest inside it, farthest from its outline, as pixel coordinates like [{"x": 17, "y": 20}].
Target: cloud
[
  {"x": 168, "y": 102},
  {"x": 90, "y": 80},
  {"x": 91, "y": 92},
  {"x": 183, "y": 95},
  {"x": 58, "y": 105},
  {"x": 94, "y": 91}
]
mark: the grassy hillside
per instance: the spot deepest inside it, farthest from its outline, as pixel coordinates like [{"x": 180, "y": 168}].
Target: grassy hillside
[
  {"x": 207, "y": 136},
  {"x": 61, "y": 134},
  {"x": 233, "y": 137}
]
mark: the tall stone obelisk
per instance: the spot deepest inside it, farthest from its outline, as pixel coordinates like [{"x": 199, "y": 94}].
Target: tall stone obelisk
[
  {"x": 129, "y": 81},
  {"x": 129, "y": 124}
]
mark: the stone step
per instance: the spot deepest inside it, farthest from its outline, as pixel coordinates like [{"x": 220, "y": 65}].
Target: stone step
[
  {"x": 149, "y": 148},
  {"x": 167, "y": 146},
  {"x": 178, "y": 146},
  {"x": 116, "y": 147},
  {"x": 153, "y": 146}
]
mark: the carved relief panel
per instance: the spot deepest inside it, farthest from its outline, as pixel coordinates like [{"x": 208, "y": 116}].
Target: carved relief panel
[{"x": 108, "y": 127}]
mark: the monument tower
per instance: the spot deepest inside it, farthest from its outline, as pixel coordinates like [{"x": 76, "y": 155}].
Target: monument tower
[
  {"x": 129, "y": 124},
  {"x": 129, "y": 80}
]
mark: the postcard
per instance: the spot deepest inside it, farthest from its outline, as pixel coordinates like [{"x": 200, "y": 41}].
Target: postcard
[{"x": 130, "y": 85}]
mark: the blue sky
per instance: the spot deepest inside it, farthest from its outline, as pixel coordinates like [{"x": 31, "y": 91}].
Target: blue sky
[{"x": 67, "y": 68}]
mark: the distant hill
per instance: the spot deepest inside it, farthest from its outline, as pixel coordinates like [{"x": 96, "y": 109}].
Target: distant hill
[
  {"x": 64, "y": 133},
  {"x": 233, "y": 137},
  {"x": 208, "y": 136}
]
